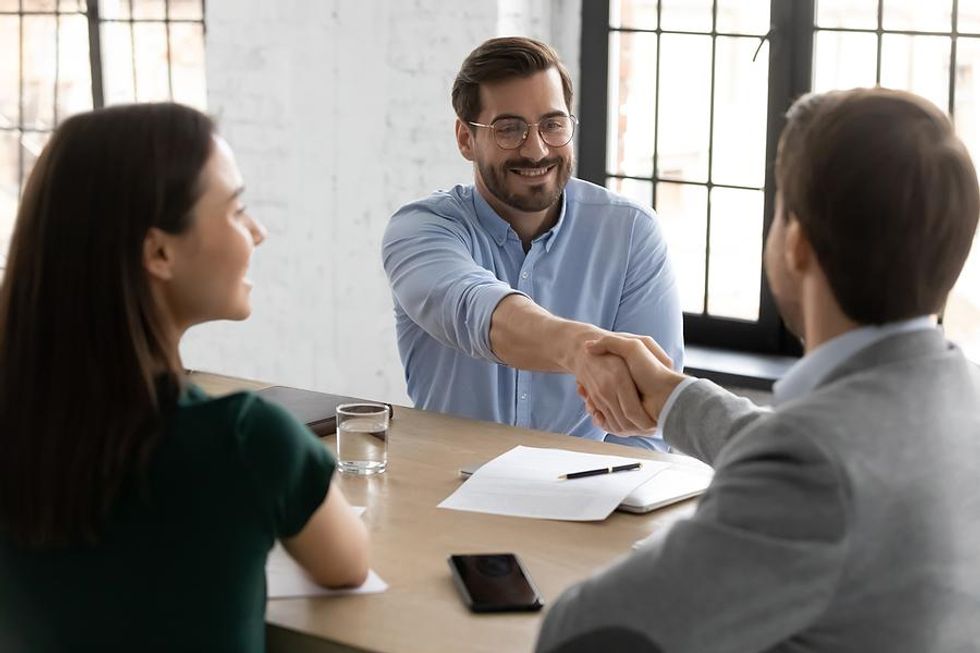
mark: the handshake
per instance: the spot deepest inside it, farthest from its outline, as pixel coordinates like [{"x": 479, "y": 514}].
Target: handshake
[{"x": 625, "y": 381}]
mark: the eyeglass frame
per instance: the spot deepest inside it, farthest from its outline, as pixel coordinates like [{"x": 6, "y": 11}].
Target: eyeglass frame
[{"x": 527, "y": 129}]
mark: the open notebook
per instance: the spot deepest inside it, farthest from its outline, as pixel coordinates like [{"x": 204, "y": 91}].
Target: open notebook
[{"x": 676, "y": 483}]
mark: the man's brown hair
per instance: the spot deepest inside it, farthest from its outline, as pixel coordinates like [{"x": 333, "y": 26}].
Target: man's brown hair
[
  {"x": 499, "y": 59},
  {"x": 887, "y": 195}
]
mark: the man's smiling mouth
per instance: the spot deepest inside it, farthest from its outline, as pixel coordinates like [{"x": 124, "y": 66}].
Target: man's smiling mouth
[{"x": 532, "y": 172}]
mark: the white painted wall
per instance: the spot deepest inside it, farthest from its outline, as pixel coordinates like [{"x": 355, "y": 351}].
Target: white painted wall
[{"x": 339, "y": 113}]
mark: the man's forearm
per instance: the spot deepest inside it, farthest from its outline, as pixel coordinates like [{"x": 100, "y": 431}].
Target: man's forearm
[
  {"x": 526, "y": 336},
  {"x": 704, "y": 417}
]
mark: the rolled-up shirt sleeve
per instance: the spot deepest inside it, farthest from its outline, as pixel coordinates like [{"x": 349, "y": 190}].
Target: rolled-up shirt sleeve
[{"x": 435, "y": 279}]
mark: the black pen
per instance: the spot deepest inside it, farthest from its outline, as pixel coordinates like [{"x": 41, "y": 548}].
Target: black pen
[{"x": 602, "y": 470}]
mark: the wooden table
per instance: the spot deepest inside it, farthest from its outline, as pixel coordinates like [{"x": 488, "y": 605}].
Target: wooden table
[{"x": 411, "y": 539}]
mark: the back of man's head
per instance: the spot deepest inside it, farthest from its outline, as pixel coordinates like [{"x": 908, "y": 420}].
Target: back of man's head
[
  {"x": 887, "y": 196},
  {"x": 500, "y": 59}
]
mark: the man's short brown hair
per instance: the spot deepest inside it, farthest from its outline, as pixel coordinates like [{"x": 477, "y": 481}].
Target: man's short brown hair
[
  {"x": 887, "y": 196},
  {"x": 499, "y": 59}
]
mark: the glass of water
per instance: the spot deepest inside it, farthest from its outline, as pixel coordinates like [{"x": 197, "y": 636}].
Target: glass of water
[{"x": 362, "y": 438}]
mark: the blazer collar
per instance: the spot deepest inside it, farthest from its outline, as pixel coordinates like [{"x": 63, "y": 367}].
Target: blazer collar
[{"x": 892, "y": 349}]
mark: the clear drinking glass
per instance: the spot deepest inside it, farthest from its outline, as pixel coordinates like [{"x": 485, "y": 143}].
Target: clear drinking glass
[{"x": 362, "y": 438}]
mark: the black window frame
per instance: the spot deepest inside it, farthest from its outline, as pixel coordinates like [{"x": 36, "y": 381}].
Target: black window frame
[
  {"x": 91, "y": 10},
  {"x": 792, "y": 29}
]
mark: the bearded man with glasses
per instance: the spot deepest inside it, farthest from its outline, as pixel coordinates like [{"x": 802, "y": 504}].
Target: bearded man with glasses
[{"x": 498, "y": 286}]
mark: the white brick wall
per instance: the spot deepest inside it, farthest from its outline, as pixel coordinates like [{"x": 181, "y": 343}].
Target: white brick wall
[{"x": 338, "y": 111}]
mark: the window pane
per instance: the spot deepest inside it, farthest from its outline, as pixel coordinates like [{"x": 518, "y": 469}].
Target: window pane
[
  {"x": 39, "y": 70},
  {"x": 844, "y": 60},
  {"x": 118, "y": 9},
  {"x": 9, "y": 71},
  {"x": 9, "y": 187},
  {"x": 640, "y": 192},
  {"x": 685, "y": 99},
  {"x": 187, "y": 59},
  {"x": 736, "y": 253},
  {"x": 967, "y": 114},
  {"x": 683, "y": 213},
  {"x": 968, "y": 17},
  {"x": 637, "y": 14},
  {"x": 919, "y": 64},
  {"x": 743, "y": 16},
  {"x": 632, "y": 103},
  {"x": 74, "y": 73},
  {"x": 853, "y": 14},
  {"x": 33, "y": 143},
  {"x": 186, "y": 9},
  {"x": 67, "y": 6},
  {"x": 931, "y": 16},
  {"x": 152, "y": 69},
  {"x": 686, "y": 15},
  {"x": 961, "y": 319},
  {"x": 40, "y": 5},
  {"x": 152, "y": 9},
  {"x": 741, "y": 99},
  {"x": 117, "y": 63}
]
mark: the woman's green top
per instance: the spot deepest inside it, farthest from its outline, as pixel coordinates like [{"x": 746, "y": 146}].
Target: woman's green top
[{"x": 180, "y": 565}]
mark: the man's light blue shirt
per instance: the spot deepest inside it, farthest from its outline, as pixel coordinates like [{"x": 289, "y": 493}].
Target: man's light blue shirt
[{"x": 450, "y": 259}]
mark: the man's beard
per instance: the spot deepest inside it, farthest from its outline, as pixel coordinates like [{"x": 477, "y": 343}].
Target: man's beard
[{"x": 534, "y": 198}]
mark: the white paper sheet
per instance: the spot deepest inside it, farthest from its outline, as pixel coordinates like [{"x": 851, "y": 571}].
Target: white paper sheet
[
  {"x": 523, "y": 482},
  {"x": 285, "y": 578}
]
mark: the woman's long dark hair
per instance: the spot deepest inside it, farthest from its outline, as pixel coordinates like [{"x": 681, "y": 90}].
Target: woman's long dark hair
[{"x": 86, "y": 367}]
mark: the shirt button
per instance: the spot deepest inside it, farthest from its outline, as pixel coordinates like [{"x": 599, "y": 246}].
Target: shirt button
[
  {"x": 523, "y": 275},
  {"x": 523, "y": 396}
]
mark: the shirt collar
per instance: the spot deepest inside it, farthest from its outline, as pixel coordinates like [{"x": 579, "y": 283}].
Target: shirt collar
[
  {"x": 498, "y": 228},
  {"x": 807, "y": 373},
  {"x": 552, "y": 234}
]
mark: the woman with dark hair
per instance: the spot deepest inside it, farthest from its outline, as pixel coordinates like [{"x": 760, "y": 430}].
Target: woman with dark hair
[{"x": 136, "y": 512}]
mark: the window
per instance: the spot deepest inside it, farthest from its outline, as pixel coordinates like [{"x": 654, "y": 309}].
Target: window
[
  {"x": 682, "y": 108},
  {"x": 59, "y": 57}
]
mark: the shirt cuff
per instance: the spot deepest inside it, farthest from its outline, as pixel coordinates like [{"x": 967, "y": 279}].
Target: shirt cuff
[
  {"x": 671, "y": 399},
  {"x": 485, "y": 303}
]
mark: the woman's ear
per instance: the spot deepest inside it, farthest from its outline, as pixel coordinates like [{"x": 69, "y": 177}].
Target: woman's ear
[{"x": 158, "y": 254}]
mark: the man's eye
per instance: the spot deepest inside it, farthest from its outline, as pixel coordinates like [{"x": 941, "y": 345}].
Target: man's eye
[{"x": 509, "y": 130}]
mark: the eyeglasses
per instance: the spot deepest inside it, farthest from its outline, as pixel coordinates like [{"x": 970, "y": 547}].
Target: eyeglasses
[{"x": 510, "y": 133}]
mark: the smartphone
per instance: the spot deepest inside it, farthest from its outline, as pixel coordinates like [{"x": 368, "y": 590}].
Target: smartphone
[{"x": 494, "y": 582}]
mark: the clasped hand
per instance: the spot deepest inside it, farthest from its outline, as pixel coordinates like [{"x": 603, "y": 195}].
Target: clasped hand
[{"x": 625, "y": 380}]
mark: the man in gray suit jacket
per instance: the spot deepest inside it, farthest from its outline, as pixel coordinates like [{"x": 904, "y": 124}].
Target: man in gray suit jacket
[{"x": 847, "y": 518}]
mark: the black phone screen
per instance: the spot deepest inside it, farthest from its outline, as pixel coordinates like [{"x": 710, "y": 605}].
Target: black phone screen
[{"x": 494, "y": 582}]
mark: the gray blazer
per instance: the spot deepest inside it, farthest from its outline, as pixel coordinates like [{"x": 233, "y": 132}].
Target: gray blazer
[{"x": 846, "y": 520}]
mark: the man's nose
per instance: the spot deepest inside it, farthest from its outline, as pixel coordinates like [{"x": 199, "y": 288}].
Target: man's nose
[{"x": 534, "y": 147}]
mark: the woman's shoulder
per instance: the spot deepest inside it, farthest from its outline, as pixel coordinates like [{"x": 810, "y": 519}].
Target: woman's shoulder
[
  {"x": 262, "y": 436},
  {"x": 238, "y": 409},
  {"x": 256, "y": 425}
]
